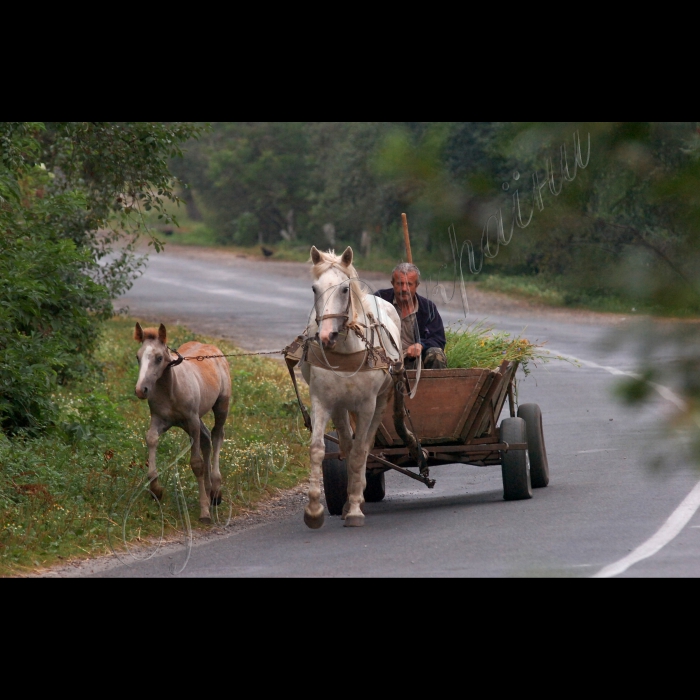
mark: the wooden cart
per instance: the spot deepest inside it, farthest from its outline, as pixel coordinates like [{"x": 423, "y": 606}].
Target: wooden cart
[{"x": 455, "y": 415}]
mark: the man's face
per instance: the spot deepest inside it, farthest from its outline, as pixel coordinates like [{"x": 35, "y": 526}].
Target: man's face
[{"x": 405, "y": 285}]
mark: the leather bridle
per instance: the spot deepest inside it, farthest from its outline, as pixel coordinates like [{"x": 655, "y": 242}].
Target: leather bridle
[{"x": 346, "y": 315}]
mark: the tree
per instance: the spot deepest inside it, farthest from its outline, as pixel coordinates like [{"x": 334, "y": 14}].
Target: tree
[
  {"x": 69, "y": 192},
  {"x": 251, "y": 180}
]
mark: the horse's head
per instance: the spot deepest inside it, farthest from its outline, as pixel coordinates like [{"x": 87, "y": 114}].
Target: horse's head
[
  {"x": 333, "y": 293},
  {"x": 153, "y": 358}
]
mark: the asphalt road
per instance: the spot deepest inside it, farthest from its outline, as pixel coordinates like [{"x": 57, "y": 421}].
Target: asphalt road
[{"x": 606, "y": 512}]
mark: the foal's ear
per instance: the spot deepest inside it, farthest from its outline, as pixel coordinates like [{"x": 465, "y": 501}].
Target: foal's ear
[
  {"x": 162, "y": 334},
  {"x": 315, "y": 255},
  {"x": 346, "y": 257},
  {"x": 138, "y": 333}
]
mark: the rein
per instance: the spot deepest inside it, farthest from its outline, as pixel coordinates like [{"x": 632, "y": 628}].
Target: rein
[{"x": 200, "y": 358}]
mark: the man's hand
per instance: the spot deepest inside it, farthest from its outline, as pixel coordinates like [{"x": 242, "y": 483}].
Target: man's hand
[{"x": 414, "y": 350}]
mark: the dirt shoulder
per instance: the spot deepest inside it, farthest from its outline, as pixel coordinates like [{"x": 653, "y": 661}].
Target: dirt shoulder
[{"x": 281, "y": 506}]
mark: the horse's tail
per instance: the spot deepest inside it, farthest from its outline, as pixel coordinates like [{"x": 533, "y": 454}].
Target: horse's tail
[{"x": 407, "y": 437}]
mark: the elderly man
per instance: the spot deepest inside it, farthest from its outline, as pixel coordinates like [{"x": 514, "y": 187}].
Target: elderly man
[{"x": 422, "y": 331}]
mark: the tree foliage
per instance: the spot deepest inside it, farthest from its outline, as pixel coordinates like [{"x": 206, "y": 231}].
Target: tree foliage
[
  {"x": 70, "y": 192},
  {"x": 627, "y": 209}
]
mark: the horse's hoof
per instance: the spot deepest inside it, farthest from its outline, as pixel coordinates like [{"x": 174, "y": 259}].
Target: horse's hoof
[
  {"x": 206, "y": 521},
  {"x": 216, "y": 500},
  {"x": 314, "y": 522},
  {"x": 354, "y": 521},
  {"x": 156, "y": 494}
]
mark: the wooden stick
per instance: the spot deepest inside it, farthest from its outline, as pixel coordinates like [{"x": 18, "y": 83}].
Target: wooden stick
[{"x": 406, "y": 238}]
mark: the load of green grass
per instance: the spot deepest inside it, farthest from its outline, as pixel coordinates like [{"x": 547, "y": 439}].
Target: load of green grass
[{"x": 478, "y": 346}]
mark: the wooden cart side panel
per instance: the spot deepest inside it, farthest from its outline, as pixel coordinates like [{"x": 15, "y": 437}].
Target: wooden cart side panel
[
  {"x": 485, "y": 422},
  {"x": 470, "y": 406},
  {"x": 383, "y": 437},
  {"x": 507, "y": 379},
  {"x": 440, "y": 408},
  {"x": 478, "y": 406}
]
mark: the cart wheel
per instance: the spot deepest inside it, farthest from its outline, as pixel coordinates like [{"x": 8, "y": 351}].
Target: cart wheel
[
  {"x": 374, "y": 490},
  {"x": 514, "y": 465},
  {"x": 539, "y": 467},
  {"x": 335, "y": 479}
]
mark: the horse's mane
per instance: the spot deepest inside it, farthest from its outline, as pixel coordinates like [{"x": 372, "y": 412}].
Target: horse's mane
[{"x": 328, "y": 260}]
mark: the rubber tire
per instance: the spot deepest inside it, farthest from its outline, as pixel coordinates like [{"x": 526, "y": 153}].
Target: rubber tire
[
  {"x": 375, "y": 490},
  {"x": 335, "y": 479},
  {"x": 515, "y": 464},
  {"x": 539, "y": 466}
]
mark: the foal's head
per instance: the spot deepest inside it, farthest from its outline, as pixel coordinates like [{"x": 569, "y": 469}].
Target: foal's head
[
  {"x": 333, "y": 290},
  {"x": 153, "y": 358}
]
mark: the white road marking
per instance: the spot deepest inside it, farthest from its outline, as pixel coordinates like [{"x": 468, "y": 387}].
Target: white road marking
[
  {"x": 678, "y": 519},
  {"x": 663, "y": 391},
  {"x": 602, "y": 449}
]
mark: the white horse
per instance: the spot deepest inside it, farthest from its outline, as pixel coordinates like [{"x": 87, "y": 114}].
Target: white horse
[{"x": 343, "y": 315}]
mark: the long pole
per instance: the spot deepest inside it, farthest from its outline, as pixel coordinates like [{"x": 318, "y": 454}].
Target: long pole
[{"x": 406, "y": 238}]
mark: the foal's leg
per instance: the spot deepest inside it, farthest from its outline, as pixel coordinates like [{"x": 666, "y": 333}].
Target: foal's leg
[
  {"x": 220, "y": 409},
  {"x": 313, "y": 513},
  {"x": 157, "y": 428},
  {"x": 198, "y": 468},
  {"x": 205, "y": 445}
]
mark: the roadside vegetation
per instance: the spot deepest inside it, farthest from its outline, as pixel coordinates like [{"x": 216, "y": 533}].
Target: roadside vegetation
[
  {"x": 77, "y": 199},
  {"x": 63, "y": 494}
]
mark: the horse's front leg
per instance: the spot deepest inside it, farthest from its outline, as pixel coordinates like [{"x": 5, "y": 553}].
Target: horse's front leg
[
  {"x": 199, "y": 468},
  {"x": 341, "y": 421},
  {"x": 357, "y": 461},
  {"x": 365, "y": 431},
  {"x": 313, "y": 513},
  {"x": 156, "y": 429}
]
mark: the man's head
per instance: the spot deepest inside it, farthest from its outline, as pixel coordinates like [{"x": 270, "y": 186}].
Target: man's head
[{"x": 405, "y": 279}]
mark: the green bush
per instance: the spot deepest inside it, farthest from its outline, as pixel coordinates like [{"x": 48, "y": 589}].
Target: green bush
[
  {"x": 49, "y": 305},
  {"x": 61, "y": 186}
]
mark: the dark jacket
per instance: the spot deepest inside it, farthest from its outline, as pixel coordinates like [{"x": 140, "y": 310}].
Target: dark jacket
[{"x": 432, "y": 332}]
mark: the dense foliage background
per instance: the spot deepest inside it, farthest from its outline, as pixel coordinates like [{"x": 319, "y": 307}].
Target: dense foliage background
[
  {"x": 72, "y": 195},
  {"x": 582, "y": 215}
]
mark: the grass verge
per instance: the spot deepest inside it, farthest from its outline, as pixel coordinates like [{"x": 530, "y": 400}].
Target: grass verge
[{"x": 64, "y": 495}]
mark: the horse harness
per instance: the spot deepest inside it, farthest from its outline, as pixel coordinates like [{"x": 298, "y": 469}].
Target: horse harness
[{"x": 306, "y": 348}]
